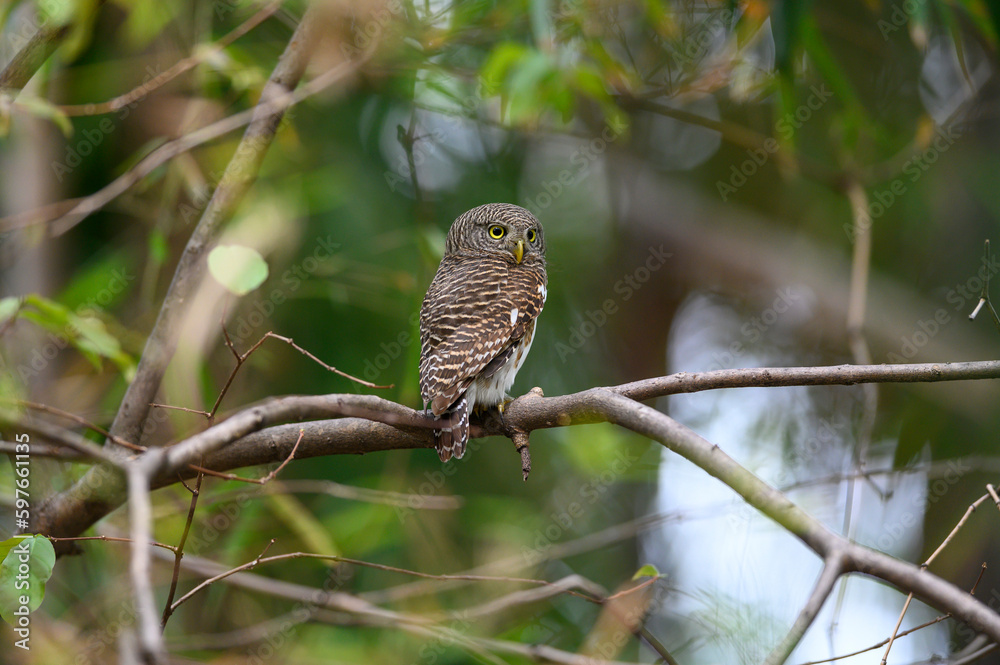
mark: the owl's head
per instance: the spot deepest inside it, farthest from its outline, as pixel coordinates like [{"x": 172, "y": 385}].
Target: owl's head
[{"x": 500, "y": 228}]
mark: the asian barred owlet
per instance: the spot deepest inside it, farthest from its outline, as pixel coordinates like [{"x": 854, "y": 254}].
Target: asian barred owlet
[{"x": 478, "y": 316}]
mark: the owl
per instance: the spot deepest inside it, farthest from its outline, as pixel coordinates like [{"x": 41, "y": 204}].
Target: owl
[{"x": 478, "y": 317}]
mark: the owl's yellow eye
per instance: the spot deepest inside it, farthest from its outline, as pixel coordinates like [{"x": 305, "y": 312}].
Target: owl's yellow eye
[
  {"x": 497, "y": 232},
  {"x": 532, "y": 235}
]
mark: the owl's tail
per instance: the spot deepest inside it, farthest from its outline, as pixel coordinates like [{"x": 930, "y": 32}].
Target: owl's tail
[{"x": 450, "y": 441}]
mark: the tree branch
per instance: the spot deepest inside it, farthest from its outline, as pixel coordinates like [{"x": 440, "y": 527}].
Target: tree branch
[
  {"x": 906, "y": 576},
  {"x": 91, "y": 494},
  {"x": 245, "y": 434},
  {"x": 368, "y": 424},
  {"x": 42, "y": 44},
  {"x": 832, "y": 375}
]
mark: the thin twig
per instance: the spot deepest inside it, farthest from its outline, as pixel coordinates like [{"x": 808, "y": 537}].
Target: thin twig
[
  {"x": 888, "y": 640},
  {"x": 353, "y": 493},
  {"x": 255, "y": 481},
  {"x": 364, "y": 614},
  {"x": 242, "y": 358},
  {"x": 993, "y": 495},
  {"x": 961, "y": 522},
  {"x": 69, "y": 439},
  {"x": 83, "y": 422},
  {"x": 110, "y": 539},
  {"x": 982, "y": 571},
  {"x": 845, "y": 656},
  {"x": 968, "y": 513},
  {"x": 895, "y": 629},
  {"x": 984, "y": 294},
  {"x": 179, "y": 552}
]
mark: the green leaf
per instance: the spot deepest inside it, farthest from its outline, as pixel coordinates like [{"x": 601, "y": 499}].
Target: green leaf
[
  {"x": 23, "y": 574},
  {"x": 87, "y": 334},
  {"x": 6, "y": 545},
  {"x": 239, "y": 269},
  {"x": 649, "y": 570},
  {"x": 494, "y": 72},
  {"x": 527, "y": 82}
]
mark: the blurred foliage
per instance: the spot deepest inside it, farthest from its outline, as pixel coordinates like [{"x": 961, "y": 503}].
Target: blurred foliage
[{"x": 721, "y": 135}]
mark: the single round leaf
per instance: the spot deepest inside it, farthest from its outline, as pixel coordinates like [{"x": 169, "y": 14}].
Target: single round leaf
[
  {"x": 23, "y": 574},
  {"x": 239, "y": 269}
]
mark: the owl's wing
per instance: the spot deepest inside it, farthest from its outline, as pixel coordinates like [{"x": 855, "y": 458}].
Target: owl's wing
[{"x": 473, "y": 330}]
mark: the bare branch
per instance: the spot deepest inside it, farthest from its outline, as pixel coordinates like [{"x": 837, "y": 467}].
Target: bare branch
[
  {"x": 364, "y": 613},
  {"x": 352, "y": 493},
  {"x": 370, "y": 424},
  {"x": 162, "y": 341},
  {"x": 410, "y": 429},
  {"x": 944, "y": 543},
  {"x": 33, "y": 55},
  {"x": 830, "y": 375},
  {"x": 256, "y": 481},
  {"x": 845, "y": 656},
  {"x": 906, "y": 576},
  {"x": 110, "y": 539},
  {"x": 242, "y": 358},
  {"x": 179, "y": 552},
  {"x": 150, "y": 640},
  {"x": 68, "y": 439}
]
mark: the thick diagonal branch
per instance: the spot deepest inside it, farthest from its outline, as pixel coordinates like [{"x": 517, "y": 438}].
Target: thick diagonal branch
[
  {"x": 91, "y": 494},
  {"x": 36, "y": 50}
]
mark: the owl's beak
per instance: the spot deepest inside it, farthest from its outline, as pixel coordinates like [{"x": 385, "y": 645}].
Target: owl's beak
[{"x": 519, "y": 251}]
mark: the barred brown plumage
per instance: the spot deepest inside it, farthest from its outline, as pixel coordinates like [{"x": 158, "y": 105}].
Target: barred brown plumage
[{"x": 477, "y": 320}]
